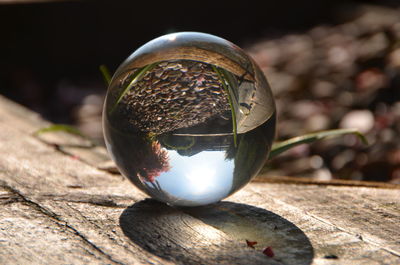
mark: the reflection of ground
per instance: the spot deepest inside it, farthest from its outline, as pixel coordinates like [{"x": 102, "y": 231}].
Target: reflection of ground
[
  {"x": 215, "y": 234},
  {"x": 172, "y": 95},
  {"x": 191, "y": 145}
]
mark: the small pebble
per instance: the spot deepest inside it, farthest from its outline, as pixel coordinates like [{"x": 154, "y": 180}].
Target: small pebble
[{"x": 362, "y": 120}]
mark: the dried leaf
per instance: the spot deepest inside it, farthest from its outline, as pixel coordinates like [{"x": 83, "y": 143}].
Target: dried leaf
[
  {"x": 269, "y": 252},
  {"x": 251, "y": 243}
]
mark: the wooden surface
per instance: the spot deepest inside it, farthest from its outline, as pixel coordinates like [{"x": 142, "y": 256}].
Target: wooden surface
[{"x": 60, "y": 205}]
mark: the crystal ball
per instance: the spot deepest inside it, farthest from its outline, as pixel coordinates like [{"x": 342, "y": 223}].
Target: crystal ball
[{"x": 189, "y": 118}]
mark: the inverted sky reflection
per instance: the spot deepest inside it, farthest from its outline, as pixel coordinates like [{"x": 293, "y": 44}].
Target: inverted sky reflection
[{"x": 205, "y": 176}]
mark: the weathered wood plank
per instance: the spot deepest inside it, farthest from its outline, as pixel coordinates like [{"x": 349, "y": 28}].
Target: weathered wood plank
[
  {"x": 65, "y": 186},
  {"x": 29, "y": 236},
  {"x": 362, "y": 213},
  {"x": 330, "y": 227},
  {"x": 51, "y": 195}
]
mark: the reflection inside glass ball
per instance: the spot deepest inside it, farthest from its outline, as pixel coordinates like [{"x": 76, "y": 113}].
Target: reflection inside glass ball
[{"x": 189, "y": 118}]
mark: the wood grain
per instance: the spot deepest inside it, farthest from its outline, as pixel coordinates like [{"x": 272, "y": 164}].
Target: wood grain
[{"x": 60, "y": 205}]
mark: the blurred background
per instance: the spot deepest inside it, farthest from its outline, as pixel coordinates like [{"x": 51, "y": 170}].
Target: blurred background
[{"x": 331, "y": 64}]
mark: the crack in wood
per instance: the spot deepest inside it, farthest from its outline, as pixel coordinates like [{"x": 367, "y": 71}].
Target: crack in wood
[
  {"x": 57, "y": 220},
  {"x": 98, "y": 200},
  {"x": 356, "y": 235},
  {"x": 9, "y": 197},
  {"x": 334, "y": 182}
]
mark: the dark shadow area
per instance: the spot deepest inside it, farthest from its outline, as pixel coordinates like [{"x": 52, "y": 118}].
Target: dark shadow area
[
  {"x": 50, "y": 52},
  {"x": 215, "y": 233}
]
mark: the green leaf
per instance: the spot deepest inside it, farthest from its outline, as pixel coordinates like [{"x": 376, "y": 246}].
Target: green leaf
[
  {"x": 188, "y": 145},
  {"x": 67, "y": 129},
  {"x": 58, "y": 128},
  {"x": 280, "y": 147},
  {"x": 228, "y": 90},
  {"x": 105, "y": 73}
]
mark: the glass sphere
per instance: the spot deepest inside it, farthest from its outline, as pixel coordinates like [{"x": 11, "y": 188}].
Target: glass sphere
[{"x": 189, "y": 118}]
